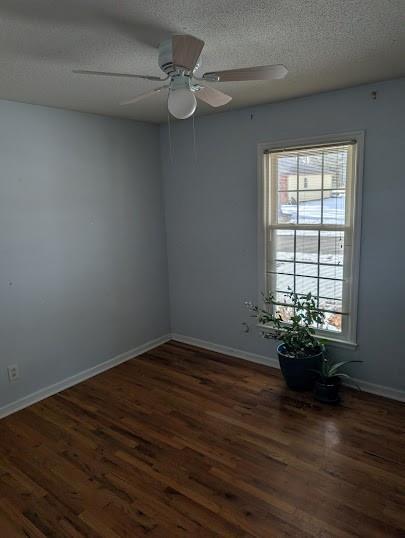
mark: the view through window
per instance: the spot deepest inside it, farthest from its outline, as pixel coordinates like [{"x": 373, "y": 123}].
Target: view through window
[{"x": 309, "y": 229}]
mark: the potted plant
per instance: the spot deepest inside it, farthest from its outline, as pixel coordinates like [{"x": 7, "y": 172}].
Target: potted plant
[
  {"x": 327, "y": 385},
  {"x": 300, "y": 352}
]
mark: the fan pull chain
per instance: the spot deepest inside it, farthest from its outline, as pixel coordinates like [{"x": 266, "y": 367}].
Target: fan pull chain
[
  {"x": 194, "y": 141},
  {"x": 170, "y": 137}
]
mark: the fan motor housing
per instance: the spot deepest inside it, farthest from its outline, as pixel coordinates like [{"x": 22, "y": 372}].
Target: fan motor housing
[{"x": 166, "y": 63}]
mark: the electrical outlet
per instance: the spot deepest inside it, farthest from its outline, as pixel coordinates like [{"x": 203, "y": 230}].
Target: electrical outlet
[{"x": 13, "y": 372}]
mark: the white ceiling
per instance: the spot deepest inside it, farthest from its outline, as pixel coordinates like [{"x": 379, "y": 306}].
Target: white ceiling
[{"x": 326, "y": 44}]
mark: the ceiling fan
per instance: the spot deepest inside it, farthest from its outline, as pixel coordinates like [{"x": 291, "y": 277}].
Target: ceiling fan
[{"x": 179, "y": 59}]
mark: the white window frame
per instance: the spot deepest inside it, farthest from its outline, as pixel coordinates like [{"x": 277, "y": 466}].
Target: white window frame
[{"x": 350, "y": 338}]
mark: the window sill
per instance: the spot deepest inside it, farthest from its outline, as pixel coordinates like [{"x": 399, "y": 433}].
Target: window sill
[
  {"x": 330, "y": 341},
  {"x": 335, "y": 342}
]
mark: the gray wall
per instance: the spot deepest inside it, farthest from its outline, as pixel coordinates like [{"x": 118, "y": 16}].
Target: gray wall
[
  {"x": 211, "y": 219},
  {"x": 83, "y": 265}
]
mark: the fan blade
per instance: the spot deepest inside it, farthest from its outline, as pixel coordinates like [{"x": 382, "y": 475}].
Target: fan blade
[
  {"x": 107, "y": 74},
  {"x": 212, "y": 96},
  {"x": 263, "y": 72},
  {"x": 143, "y": 96},
  {"x": 186, "y": 50}
]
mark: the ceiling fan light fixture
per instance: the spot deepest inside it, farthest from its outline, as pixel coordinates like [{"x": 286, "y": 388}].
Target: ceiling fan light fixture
[{"x": 181, "y": 103}]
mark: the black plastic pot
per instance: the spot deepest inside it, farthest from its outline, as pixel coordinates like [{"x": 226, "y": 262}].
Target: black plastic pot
[
  {"x": 299, "y": 373},
  {"x": 327, "y": 391}
]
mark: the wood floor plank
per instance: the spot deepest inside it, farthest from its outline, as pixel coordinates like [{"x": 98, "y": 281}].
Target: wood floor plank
[{"x": 183, "y": 441}]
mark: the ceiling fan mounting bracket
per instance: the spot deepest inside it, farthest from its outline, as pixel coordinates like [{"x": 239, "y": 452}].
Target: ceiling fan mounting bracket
[
  {"x": 168, "y": 62},
  {"x": 181, "y": 79}
]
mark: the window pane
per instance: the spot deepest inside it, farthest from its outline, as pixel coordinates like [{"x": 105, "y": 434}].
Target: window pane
[
  {"x": 331, "y": 271},
  {"x": 335, "y": 165},
  {"x": 287, "y": 207},
  {"x": 306, "y": 269},
  {"x": 307, "y": 246},
  {"x": 310, "y": 169},
  {"x": 282, "y": 267},
  {"x": 284, "y": 244},
  {"x": 282, "y": 298},
  {"x": 334, "y": 207},
  {"x": 284, "y": 282},
  {"x": 333, "y": 322},
  {"x": 285, "y": 312},
  {"x": 330, "y": 288},
  {"x": 306, "y": 285},
  {"x": 287, "y": 173},
  {"x": 331, "y": 247},
  {"x": 309, "y": 207},
  {"x": 330, "y": 304}
]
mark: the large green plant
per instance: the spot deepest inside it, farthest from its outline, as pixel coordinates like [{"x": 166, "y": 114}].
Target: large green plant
[{"x": 298, "y": 333}]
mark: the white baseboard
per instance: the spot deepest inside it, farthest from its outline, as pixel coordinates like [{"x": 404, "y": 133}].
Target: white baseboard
[
  {"x": 372, "y": 388},
  {"x": 379, "y": 390},
  {"x": 253, "y": 357},
  {"x": 45, "y": 392}
]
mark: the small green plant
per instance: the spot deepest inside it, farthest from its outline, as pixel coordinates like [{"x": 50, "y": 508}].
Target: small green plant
[
  {"x": 330, "y": 370},
  {"x": 297, "y": 332}
]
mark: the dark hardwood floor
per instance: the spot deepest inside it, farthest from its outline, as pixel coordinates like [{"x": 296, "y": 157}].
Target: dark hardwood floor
[{"x": 186, "y": 442}]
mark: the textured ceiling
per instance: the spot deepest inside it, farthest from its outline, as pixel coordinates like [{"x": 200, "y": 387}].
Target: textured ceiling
[{"x": 325, "y": 44}]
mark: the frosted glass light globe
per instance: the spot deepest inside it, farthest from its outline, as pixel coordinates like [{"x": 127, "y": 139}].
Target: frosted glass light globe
[{"x": 182, "y": 103}]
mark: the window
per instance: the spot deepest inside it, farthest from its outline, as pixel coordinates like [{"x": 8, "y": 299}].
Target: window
[{"x": 309, "y": 238}]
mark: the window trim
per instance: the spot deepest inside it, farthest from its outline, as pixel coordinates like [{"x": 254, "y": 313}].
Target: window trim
[{"x": 322, "y": 140}]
